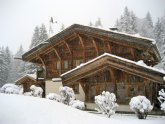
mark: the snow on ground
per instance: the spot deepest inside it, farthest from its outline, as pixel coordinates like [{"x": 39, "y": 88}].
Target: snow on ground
[{"x": 18, "y": 109}]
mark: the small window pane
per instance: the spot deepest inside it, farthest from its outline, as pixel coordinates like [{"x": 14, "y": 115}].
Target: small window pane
[
  {"x": 65, "y": 64},
  {"x": 58, "y": 65}
]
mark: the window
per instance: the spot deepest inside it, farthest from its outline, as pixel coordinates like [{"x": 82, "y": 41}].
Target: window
[
  {"x": 65, "y": 64},
  {"x": 58, "y": 65}
]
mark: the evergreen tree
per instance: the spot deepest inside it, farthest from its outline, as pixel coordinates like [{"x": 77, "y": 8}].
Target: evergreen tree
[
  {"x": 5, "y": 62},
  {"x": 133, "y": 23},
  {"x": 62, "y": 27},
  {"x": 158, "y": 33},
  {"x": 127, "y": 22},
  {"x": 8, "y": 60},
  {"x": 43, "y": 35},
  {"x": 51, "y": 32},
  {"x": 98, "y": 23},
  {"x": 90, "y": 23},
  {"x": 35, "y": 38},
  {"x": 17, "y": 66},
  {"x": 146, "y": 27},
  {"x": 3, "y": 67}
]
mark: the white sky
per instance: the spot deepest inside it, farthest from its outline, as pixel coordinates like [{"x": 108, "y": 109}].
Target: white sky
[{"x": 19, "y": 17}]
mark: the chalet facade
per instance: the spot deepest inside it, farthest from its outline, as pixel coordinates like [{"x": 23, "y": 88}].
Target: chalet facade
[
  {"x": 91, "y": 60},
  {"x": 28, "y": 80}
]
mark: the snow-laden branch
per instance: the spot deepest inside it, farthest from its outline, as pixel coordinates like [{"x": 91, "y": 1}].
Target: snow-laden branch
[
  {"x": 106, "y": 103},
  {"x": 141, "y": 106},
  {"x": 161, "y": 99}
]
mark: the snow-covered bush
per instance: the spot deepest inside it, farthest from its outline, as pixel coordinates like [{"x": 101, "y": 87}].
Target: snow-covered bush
[
  {"x": 10, "y": 89},
  {"x": 28, "y": 94},
  {"x": 141, "y": 106},
  {"x": 77, "y": 104},
  {"x": 67, "y": 94},
  {"x": 53, "y": 96},
  {"x": 161, "y": 99},
  {"x": 106, "y": 103},
  {"x": 36, "y": 91}
]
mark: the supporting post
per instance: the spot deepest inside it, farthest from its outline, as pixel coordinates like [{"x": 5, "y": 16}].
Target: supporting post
[
  {"x": 132, "y": 53},
  {"x": 44, "y": 65},
  {"x": 95, "y": 46},
  {"x": 83, "y": 46},
  {"x": 56, "y": 52},
  {"x": 67, "y": 45},
  {"x": 113, "y": 79},
  {"x": 109, "y": 48}
]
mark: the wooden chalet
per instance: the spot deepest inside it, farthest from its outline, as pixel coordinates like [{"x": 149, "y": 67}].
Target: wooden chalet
[
  {"x": 28, "y": 80},
  {"x": 110, "y": 62}
]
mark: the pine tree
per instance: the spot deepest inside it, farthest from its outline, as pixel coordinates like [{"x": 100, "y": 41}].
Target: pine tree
[
  {"x": 146, "y": 27},
  {"x": 133, "y": 23},
  {"x": 90, "y": 23},
  {"x": 3, "y": 67},
  {"x": 35, "y": 38},
  {"x": 149, "y": 19},
  {"x": 8, "y": 60},
  {"x": 43, "y": 35},
  {"x": 17, "y": 66},
  {"x": 98, "y": 23},
  {"x": 62, "y": 27},
  {"x": 127, "y": 22},
  {"x": 158, "y": 33}
]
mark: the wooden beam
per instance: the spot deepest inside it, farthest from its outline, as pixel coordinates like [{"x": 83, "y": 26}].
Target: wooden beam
[
  {"x": 81, "y": 41},
  {"x": 82, "y": 44},
  {"x": 95, "y": 46},
  {"x": 41, "y": 60},
  {"x": 103, "y": 45},
  {"x": 67, "y": 45},
  {"x": 113, "y": 78},
  {"x": 109, "y": 48},
  {"x": 44, "y": 67},
  {"x": 55, "y": 50},
  {"x": 132, "y": 53}
]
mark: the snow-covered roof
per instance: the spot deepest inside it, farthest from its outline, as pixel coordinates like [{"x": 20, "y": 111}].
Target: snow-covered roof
[
  {"x": 139, "y": 63},
  {"x": 132, "y": 35},
  {"x": 31, "y": 76},
  {"x": 123, "y": 37},
  {"x": 108, "y": 60}
]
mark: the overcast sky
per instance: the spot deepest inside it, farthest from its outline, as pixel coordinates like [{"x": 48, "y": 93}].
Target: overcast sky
[{"x": 18, "y": 18}]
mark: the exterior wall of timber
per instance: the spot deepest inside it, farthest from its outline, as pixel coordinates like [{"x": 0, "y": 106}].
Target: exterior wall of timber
[
  {"x": 27, "y": 84},
  {"x": 124, "y": 85},
  {"x": 82, "y": 48}
]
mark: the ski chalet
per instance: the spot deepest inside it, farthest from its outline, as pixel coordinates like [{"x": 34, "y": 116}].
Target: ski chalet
[{"x": 92, "y": 60}]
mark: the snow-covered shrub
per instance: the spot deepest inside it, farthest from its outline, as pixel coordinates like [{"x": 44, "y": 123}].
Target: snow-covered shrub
[
  {"x": 28, "y": 94},
  {"x": 10, "y": 89},
  {"x": 53, "y": 96},
  {"x": 36, "y": 91},
  {"x": 161, "y": 99},
  {"x": 106, "y": 103},
  {"x": 67, "y": 94},
  {"x": 77, "y": 104},
  {"x": 141, "y": 106},
  {"x": 21, "y": 90}
]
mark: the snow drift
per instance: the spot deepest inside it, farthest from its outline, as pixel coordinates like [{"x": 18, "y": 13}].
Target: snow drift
[{"x": 19, "y": 109}]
